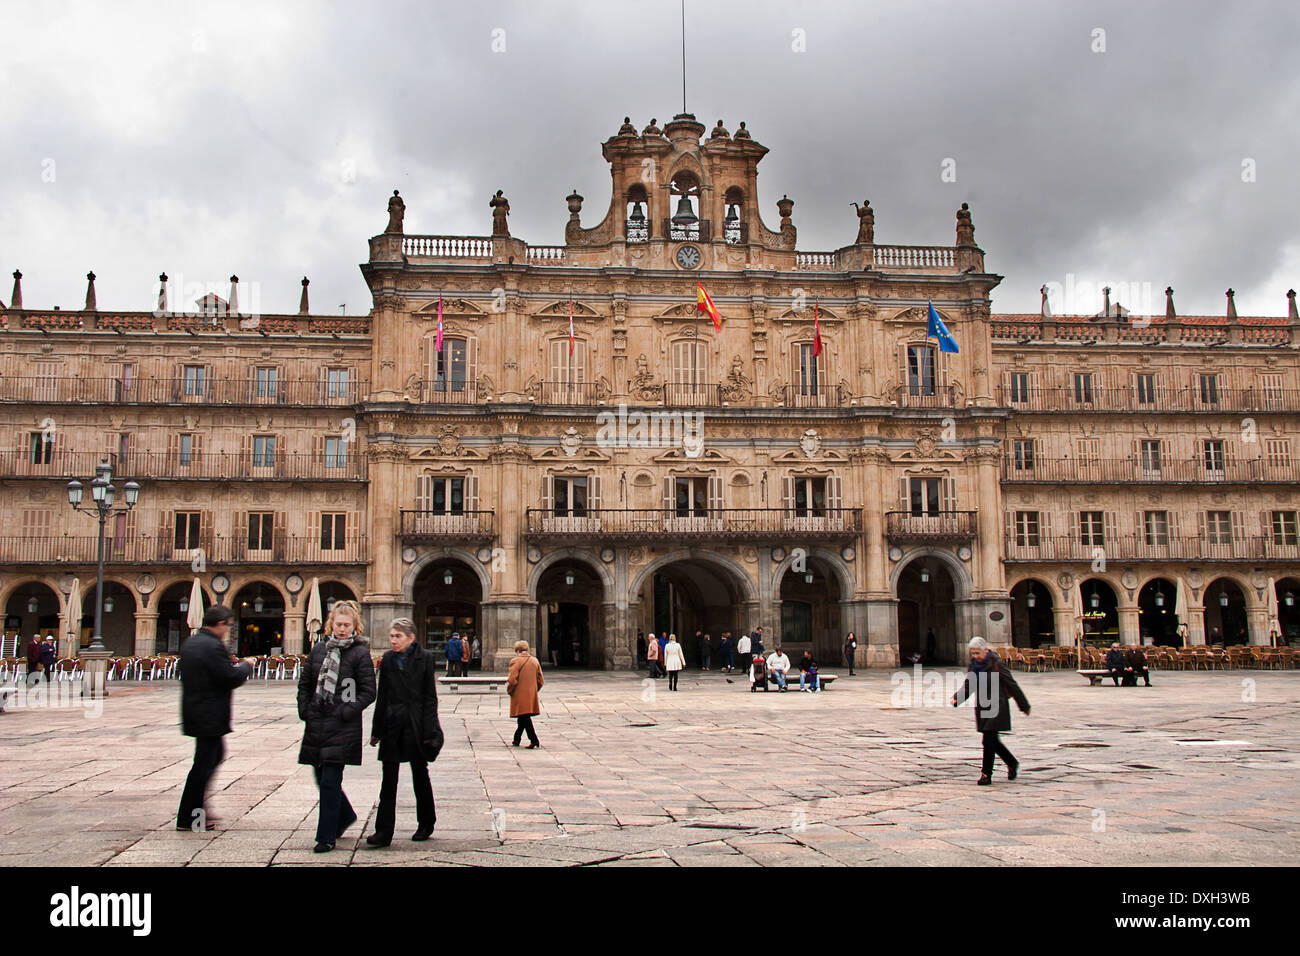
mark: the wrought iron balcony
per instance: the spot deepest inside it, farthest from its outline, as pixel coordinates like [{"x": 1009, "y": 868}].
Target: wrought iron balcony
[
  {"x": 1130, "y": 470},
  {"x": 570, "y": 393},
  {"x": 919, "y": 396},
  {"x": 810, "y": 396},
  {"x": 467, "y": 526},
  {"x": 162, "y": 549},
  {"x": 698, "y": 231},
  {"x": 698, "y": 524},
  {"x": 59, "y": 463},
  {"x": 905, "y": 527},
  {"x": 449, "y": 393},
  {"x": 1141, "y": 547},
  {"x": 1158, "y": 399},
  {"x": 73, "y": 389}
]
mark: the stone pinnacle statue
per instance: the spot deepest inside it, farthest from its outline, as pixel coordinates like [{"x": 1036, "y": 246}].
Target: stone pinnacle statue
[
  {"x": 396, "y": 213},
  {"x": 866, "y": 222},
  {"x": 500, "y": 210}
]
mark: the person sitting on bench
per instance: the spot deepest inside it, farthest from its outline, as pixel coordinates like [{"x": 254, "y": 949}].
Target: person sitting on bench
[
  {"x": 1116, "y": 664},
  {"x": 778, "y": 664},
  {"x": 1137, "y": 663},
  {"x": 808, "y": 673}
]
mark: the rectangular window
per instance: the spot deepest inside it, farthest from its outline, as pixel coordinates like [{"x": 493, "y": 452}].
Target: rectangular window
[
  {"x": 1209, "y": 389},
  {"x": 1092, "y": 527},
  {"x": 1146, "y": 388},
  {"x": 1218, "y": 527},
  {"x": 194, "y": 379},
  {"x": 925, "y": 496},
  {"x": 920, "y": 370},
  {"x": 333, "y": 531},
  {"x": 336, "y": 380},
  {"x": 263, "y": 451},
  {"x": 42, "y": 448},
  {"x": 265, "y": 382},
  {"x": 1213, "y": 456},
  {"x": 336, "y": 453},
  {"x": 1156, "y": 526},
  {"x": 1149, "y": 455},
  {"x": 807, "y": 370},
  {"x": 1027, "y": 529},
  {"x": 186, "y": 450},
  {"x": 123, "y": 383},
  {"x": 692, "y": 497},
  {"x": 1023, "y": 450},
  {"x": 449, "y": 496},
  {"x": 570, "y": 496},
  {"x": 1083, "y": 388},
  {"x": 1284, "y": 527},
  {"x": 259, "y": 530},
  {"x": 1019, "y": 387},
  {"x": 187, "y": 530},
  {"x": 451, "y": 366},
  {"x": 810, "y": 497}
]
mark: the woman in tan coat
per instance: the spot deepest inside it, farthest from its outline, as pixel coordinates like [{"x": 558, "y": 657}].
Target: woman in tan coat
[{"x": 523, "y": 682}]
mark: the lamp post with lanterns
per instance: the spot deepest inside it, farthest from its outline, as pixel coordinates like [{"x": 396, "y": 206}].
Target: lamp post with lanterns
[{"x": 102, "y": 493}]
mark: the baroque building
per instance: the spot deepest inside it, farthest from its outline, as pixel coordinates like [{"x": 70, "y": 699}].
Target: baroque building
[{"x": 551, "y": 443}]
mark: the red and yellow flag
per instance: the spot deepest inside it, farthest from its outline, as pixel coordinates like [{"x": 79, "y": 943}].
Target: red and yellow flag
[
  {"x": 817, "y": 331},
  {"x": 704, "y": 304}
]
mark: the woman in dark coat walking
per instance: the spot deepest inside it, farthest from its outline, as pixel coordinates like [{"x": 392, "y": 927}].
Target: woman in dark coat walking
[
  {"x": 405, "y": 726},
  {"x": 336, "y": 685},
  {"x": 990, "y": 680}
]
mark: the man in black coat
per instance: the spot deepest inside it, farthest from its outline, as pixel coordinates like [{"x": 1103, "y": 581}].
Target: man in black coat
[
  {"x": 1118, "y": 666},
  {"x": 208, "y": 679},
  {"x": 991, "y": 682},
  {"x": 406, "y": 728}
]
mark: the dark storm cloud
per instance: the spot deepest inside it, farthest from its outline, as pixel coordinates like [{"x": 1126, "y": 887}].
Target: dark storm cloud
[{"x": 264, "y": 142}]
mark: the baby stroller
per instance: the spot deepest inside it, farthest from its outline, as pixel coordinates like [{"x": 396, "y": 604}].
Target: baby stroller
[{"x": 758, "y": 675}]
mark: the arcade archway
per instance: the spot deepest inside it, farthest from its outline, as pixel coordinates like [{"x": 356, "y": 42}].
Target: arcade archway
[
  {"x": 1157, "y": 622},
  {"x": 927, "y": 613},
  {"x": 32, "y": 610},
  {"x": 448, "y": 598},
  {"x": 681, "y": 595},
  {"x": 1100, "y": 612},
  {"x": 259, "y": 620},
  {"x": 1225, "y": 613},
  {"x": 1033, "y": 622},
  {"x": 173, "y": 613}
]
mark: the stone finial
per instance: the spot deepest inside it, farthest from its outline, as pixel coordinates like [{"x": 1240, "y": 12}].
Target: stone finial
[
  {"x": 1170, "y": 314},
  {"x": 16, "y": 300},
  {"x": 233, "y": 305},
  {"x": 965, "y": 228},
  {"x": 742, "y": 133},
  {"x": 784, "y": 206},
  {"x": 302, "y": 301},
  {"x": 90, "y": 293},
  {"x": 1290, "y": 307},
  {"x": 627, "y": 129},
  {"x": 575, "y": 205},
  {"x": 162, "y": 294},
  {"x": 1232, "y": 306},
  {"x": 396, "y": 213},
  {"x": 719, "y": 132},
  {"x": 652, "y": 129}
]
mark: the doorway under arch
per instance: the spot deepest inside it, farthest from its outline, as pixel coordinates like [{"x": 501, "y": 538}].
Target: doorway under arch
[
  {"x": 1033, "y": 622},
  {"x": 1156, "y": 618},
  {"x": 1225, "y": 613},
  {"x": 927, "y": 613}
]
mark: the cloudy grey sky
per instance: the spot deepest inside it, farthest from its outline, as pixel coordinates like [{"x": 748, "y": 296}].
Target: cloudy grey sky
[{"x": 263, "y": 139}]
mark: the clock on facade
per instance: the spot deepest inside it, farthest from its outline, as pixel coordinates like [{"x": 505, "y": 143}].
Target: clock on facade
[{"x": 688, "y": 257}]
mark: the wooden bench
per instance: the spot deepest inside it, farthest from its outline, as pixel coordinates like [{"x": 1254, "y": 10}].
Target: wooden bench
[
  {"x": 477, "y": 681},
  {"x": 1096, "y": 676},
  {"x": 792, "y": 679}
]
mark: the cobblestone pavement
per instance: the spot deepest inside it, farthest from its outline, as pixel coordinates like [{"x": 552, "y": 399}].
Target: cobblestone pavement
[{"x": 1199, "y": 769}]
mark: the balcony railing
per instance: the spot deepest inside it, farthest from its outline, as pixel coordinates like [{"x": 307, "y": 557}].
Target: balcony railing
[
  {"x": 939, "y": 526},
  {"x": 448, "y": 247},
  {"x": 176, "y": 391},
  {"x": 698, "y": 231},
  {"x": 468, "y": 526},
  {"x": 154, "y": 549},
  {"x": 449, "y": 393},
  {"x": 916, "y": 396},
  {"x": 821, "y": 396},
  {"x": 171, "y": 465},
  {"x": 1160, "y": 399},
  {"x": 1140, "y": 547},
  {"x": 569, "y": 393},
  {"x": 1128, "y": 470},
  {"x": 685, "y": 394},
  {"x": 719, "y": 524}
]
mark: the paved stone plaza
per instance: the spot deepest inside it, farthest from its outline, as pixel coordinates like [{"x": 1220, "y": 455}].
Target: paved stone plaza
[{"x": 1191, "y": 771}]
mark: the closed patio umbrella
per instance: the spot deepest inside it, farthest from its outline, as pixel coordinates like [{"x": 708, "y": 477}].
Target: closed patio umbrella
[
  {"x": 1180, "y": 610},
  {"x": 195, "y": 616},
  {"x": 1274, "y": 624},
  {"x": 314, "y": 618},
  {"x": 1076, "y": 599},
  {"x": 74, "y": 613}
]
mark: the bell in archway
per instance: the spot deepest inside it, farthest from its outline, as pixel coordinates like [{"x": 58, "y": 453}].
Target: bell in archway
[
  {"x": 638, "y": 214},
  {"x": 733, "y": 215},
  {"x": 685, "y": 214}
]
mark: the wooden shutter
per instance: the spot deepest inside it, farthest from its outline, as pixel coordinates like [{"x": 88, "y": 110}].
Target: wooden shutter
[
  {"x": 559, "y": 361},
  {"x": 787, "y": 494},
  {"x": 207, "y": 533},
  {"x": 280, "y": 459},
  {"x": 245, "y": 456},
  {"x": 834, "y": 495},
  {"x": 471, "y": 367},
  {"x": 1238, "y": 519},
  {"x": 352, "y": 534},
  {"x": 670, "y": 494},
  {"x": 1013, "y": 529},
  {"x": 1110, "y": 527},
  {"x": 1266, "y": 525},
  {"x": 1045, "y": 527},
  {"x": 1076, "y": 528},
  {"x": 239, "y": 543},
  {"x": 166, "y": 534},
  {"x": 948, "y": 494},
  {"x": 173, "y": 452},
  {"x": 579, "y": 362},
  {"x": 1173, "y": 519},
  {"x": 593, "y": 494},
  {"x": 715, "y": 496},
  {"x": 548, "y": 494},
  {"x": 471, "y": 493},
  {"x": 1202, "y": 526},
  {"x": 279, "y": 536},
  {"x": 904, "y": 500},
  {"x": 424, "y": 493}
]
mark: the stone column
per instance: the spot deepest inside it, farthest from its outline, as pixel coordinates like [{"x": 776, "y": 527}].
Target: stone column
[
  {"x": 295, "y": 623},
  {"x": 1195, "y": 626},
  {"x": 881, "y": 633},
  {"x": 873, "y": 524},
  {"x": 1129, "y": 630},
  {"x": 989, "y": 507},
  {"x": 383, "y": 581},
  {"x": 146, "y": 633},
  {"x": 1257, "y": 626},
  {"x": 1063, "y": 618}
]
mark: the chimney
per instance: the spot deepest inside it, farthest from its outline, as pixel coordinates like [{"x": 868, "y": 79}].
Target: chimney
[
  {"x": 162, "y": 294},
  {"x": 90, "y": 292},
  {"x": 1290, "y": 306},
  {"x": 302, "y": 303},
  {"x": 1170, "y": 314},
  {"x": 1232, "y": 307},
  {"x": 1105, "y": 308},
  {"x": 233, "y": 306},
  {"x": 16, "y": 300}
]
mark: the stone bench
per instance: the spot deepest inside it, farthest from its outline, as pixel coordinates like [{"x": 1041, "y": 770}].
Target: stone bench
[
  {"x": 792, "y": 680},
  {"x": 477, "y": 681},
  {"x": 1094, "y": 677}
]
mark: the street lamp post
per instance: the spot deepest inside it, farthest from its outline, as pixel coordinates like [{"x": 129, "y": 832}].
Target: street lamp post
[{"x": 102, "y": 493}]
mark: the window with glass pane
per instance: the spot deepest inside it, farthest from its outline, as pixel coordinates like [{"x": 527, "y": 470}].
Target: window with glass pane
[
  {"x": 266, "y": 381},
  {"x": 1092, "y": 529},
  {"x": 1284, "y": 527},
  {"x": 42, "y": 448},
  {"x": 187, "y": 530},
  {"x": 185, "y": 450},
  {"x": 1150, "y": 454},
  {"x": 1019, "y": 387},
  {"x": 571, "y": 496},
  {"x": 337, "y": 382},
  {"x": 1146, "y": 388},
  {"x": 193, "y": 379},
  {"x": 1156, "y": 524},
  {"x": 1209, "y": 389},
  {"x": 449, "y": 495},
  {"x": 336, "y": 453},
  {"x": 810, "y": 496},
  {"x": 925, "y": 496},
  {"x": 920, "y": 370},
  {"x": 1083, "y": 387},
  {"x": 333, "y": 531},
  {"x": 263, "y": 451},
  {"x": 259, "y": 530},
  {"x": 451, "y": 366},
  {"x": 1212, "y": 453},
  {"x": 1023, "y": 450},
  {"x": 1218, "y": 527},
  {"x": 807, "y": 371},
  {"x": 692, "y": 497},
  {"x": 1027, "y": 529}
]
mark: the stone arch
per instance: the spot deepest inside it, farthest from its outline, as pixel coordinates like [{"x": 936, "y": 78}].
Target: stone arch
[
  {"x": 734, "y": 570},
  {"x": 581, "y": 555},
  {"x": 960, "y": 573},
  {"x": 469, "y": 559},
  {"x": 1248, "y": 592},
  {"x": 237, "y": 584},
  {"x": 839, "y": 567}
]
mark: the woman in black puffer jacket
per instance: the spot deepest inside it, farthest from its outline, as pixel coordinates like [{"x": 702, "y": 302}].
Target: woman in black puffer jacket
[{"x": 336, "y": 685}]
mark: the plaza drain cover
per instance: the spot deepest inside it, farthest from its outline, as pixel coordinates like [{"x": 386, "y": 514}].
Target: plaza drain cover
[{"x": 1083, "y": 745}]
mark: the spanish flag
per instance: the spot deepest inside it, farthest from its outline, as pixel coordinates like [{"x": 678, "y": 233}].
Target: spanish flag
[
  {"x": 817, "y": 331},
  {"x": 704, "y": 304}
]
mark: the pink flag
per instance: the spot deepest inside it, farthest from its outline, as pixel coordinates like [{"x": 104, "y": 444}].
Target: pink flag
[
  {"x": 570, "y": 326},
  {"x": 437, "y": 343}
]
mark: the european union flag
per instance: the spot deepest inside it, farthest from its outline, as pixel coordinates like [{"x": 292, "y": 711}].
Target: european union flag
[{"x": 940, "y": 331}]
